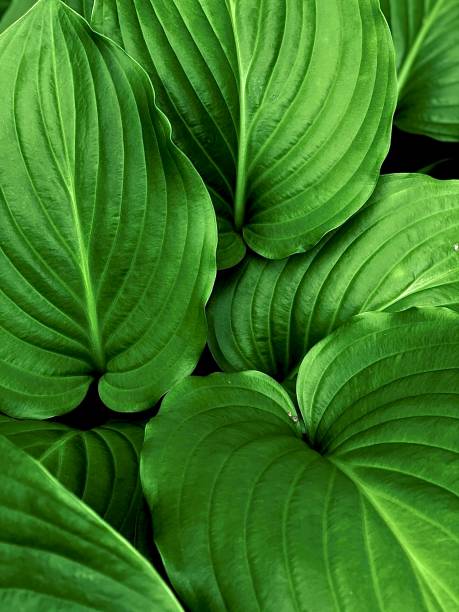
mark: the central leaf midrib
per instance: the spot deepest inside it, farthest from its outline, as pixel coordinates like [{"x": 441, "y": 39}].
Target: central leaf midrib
[
  {"x": 90, "y": 299},
  {"x": 407, "y": 65},
  {"x": 241, "y": 173},
  {"x": 95, "y": 338},
  {"x": 241, "y": 170}
]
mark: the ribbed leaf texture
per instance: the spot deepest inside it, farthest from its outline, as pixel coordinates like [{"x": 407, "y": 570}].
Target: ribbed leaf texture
[
  {"x": 426, "y": 38},
  {"x": 100, "y": 466},
  {"x": 398, "y": 252},
  {"x": 57, "y": 554},
  {"x": 108, "y": 233},
  {"x": 358, "y": 514},
  {"x": 18, "y": 8},
  {"x": 284, "y": 107}
]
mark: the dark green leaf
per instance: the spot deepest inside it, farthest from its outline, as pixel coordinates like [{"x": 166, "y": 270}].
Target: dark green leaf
[
  {"x": 100, "y": 466},
  {"x": 57, "y": 554},
  {"x": 18, "y": 8},
  {"x": 398, "y": 252},
  {"x": 426, "y": 37},
  {"x": 285, "y": 108},
  {"x": 4, "y": 4},
  {"x": 108, "y": 234},
  {"x": 248, "y": 516}
]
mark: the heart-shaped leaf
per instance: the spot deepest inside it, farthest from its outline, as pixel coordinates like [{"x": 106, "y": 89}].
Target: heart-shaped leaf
[
  {"x": 249, "y": 516},
  {"x": 285, "y": 108},
  {"x": 18, "y": 8},
  {"x": 57, "y": 554},
  {"x": 100, "y": 466},
  {"x": 108, "y": 234},
  {"x": 399, "y": 251},
  {"x": 426, "y": 37}
]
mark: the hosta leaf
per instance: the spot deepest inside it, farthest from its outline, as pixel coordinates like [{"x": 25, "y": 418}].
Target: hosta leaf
[
  {"x": 108, "y": 234},
  {"x": 100, "y": 466},
  {"x": 249, "y": 516},
  {"x": 426, "y": 37},
  {"x": 18, "y": 8},
  {"x": 57, "y": 554},
  {"x": 398, "y": 252},
  {"x": 284, "y": 107}
]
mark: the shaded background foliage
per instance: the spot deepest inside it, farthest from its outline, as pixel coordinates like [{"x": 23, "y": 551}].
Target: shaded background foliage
[{"x": 412, "y": 153}]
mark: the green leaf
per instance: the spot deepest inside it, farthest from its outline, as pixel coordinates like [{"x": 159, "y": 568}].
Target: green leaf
[
  {"x": 426, "y": 38},
  {"x": 18, "y": 8},
  {"x": 249, "y": 516},
  {"x": 108, "y": 233},
  {"x": 396, "y": 253},
  {"x": 57, "y": 554},
  {"x": 285, "y": 108},
  {"x": 100, "y": 466}
]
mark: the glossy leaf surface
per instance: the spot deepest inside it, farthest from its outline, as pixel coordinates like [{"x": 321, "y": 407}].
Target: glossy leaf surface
[
  {"x": 100, "y": 466},
  {"x": 285, "y": 107},
  {"x": 250, "y": 516},
  {"x": 108, "y": 234},
  {"x": 398, "y": 252},
  {"x": 426, "y": 38},
  {"x": 57, "y": 554}
]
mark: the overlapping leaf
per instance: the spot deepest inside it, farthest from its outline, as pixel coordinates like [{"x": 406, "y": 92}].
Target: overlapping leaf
[
  {"x": 398, "y": 252},
  {"x": 4, "y": 4},
  {"x": 426, "y": 37},
  {"x": 108, "y": 235},
  {"x": 100, "y": 466},
  {"x": 283, "y": 106},
  {"x": 249, "y": 516},
  {"x": 57, "y": 554},
  {"x": 18, "y": 8}
]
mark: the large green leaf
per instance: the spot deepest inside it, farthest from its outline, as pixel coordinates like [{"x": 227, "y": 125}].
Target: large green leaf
[
  {"x": 249, "y": 516},
  {"x": 108, "y": 234},
  {"x": 398, "y": 252},
  {"x": 57, "y": 554},
  {"x": 100, "y": 466},
  {"x": 284, "y": 107},
  {"x": 426, "y": 37},
  {"x": 18, "y": 8}
]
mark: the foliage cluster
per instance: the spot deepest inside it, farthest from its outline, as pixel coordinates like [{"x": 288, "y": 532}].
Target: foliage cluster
[{"x": 183, "y": 173}]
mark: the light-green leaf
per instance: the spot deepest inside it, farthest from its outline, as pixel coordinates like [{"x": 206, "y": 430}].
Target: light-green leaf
[
  {"x": 249, "y": 516},
  {"x": 100, "y": 466},
  {"x": 285, "y": 108},
  {"x": 108, "y": 233},
  {"x": 426, "y": 37},
  {"x": 57, "y": 554},
  {"x": 398, "y": 252}
]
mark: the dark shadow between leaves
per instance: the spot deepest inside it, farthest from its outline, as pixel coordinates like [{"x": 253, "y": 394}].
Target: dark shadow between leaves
[{"x": 413, "y": 153}]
